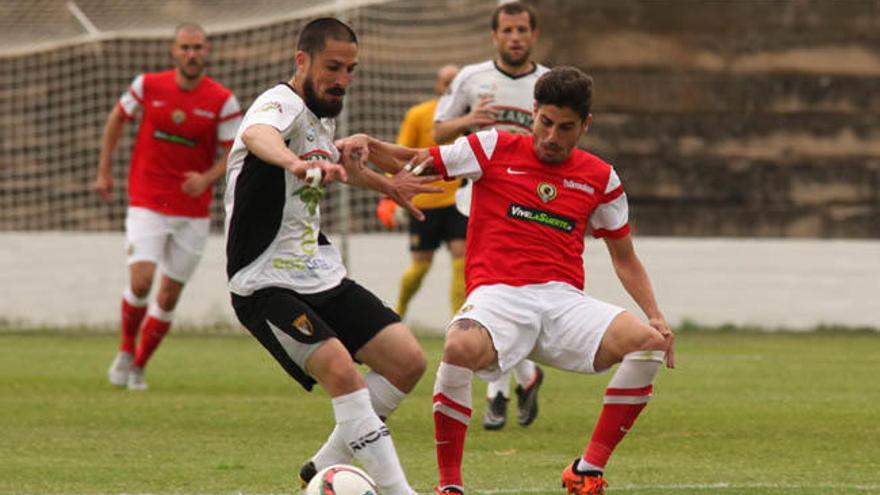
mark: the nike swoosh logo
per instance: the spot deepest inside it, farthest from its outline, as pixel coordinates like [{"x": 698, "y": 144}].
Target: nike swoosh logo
[{"x": 515, "y": 172}]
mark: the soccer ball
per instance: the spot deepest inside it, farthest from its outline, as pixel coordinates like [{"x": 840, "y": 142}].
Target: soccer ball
[{"x": 341, "y": 479}]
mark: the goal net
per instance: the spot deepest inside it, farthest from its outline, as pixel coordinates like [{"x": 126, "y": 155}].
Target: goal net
[{"x": 57, "y": 85}]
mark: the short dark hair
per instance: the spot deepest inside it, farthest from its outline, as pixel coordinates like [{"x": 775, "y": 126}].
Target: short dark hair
[
  {"x": 568, "y": 87},
  {"x": 514, "y": 8},
  {"x": 313, "y": 37}
]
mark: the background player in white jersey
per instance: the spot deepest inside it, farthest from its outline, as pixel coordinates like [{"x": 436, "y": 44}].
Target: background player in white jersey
[
  {"x": 184, "y": 116},
  {"x": 534, "y": 198},
  {"x": 498, "y": 94},
  {"x": 288, "y": 284}
]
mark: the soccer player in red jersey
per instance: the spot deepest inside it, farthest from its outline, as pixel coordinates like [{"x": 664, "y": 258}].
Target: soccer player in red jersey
[
  {"x": 185, "y": 116},
  {"x": 534, "y": 198}
]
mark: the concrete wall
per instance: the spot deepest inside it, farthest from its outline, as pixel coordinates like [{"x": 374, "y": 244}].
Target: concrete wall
[
  {"x": 61, "y": 279},
  {"x": 732, "y": 118}
]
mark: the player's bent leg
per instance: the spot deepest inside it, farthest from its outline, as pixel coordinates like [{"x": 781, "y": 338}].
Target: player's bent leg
[
  {"x": 397, "y": 362},
  {"x": 155, "y": 328},
  {"x": 640, "y": 350},
  {"x": 468, "y": 347},
  {"x": 395, "y": 354},
  {"x": 357, "y": 423}
]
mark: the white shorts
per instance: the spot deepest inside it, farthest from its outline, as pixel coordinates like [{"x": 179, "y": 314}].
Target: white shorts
[
  {"x": 551, "y": 323},
  {"x": 174, "y": 243}
]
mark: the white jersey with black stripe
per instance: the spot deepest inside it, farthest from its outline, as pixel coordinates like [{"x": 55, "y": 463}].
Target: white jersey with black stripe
[{"x": 272, "y": 239}]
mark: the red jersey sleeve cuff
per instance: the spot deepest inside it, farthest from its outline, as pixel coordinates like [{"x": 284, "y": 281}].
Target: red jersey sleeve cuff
[
  {"x": 612, "y": 234},
  {"x": 439, "y": 166}
]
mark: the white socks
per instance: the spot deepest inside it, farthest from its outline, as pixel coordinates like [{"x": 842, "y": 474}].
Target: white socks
[
  {"x": 368, "y": 437},
  {"x": 384, "y": 398},
  {"x": 455, "y": 383},
  {"x": 502, "y": 384},
  {"x": 523, "y": 372}
]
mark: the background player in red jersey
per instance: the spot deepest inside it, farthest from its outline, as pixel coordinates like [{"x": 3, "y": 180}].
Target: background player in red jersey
[
  {"x": 533, "y": 199},
  {"x": 184, "y": 117}
]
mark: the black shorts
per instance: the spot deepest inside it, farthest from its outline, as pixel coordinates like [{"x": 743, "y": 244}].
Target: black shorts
[
  {"x": 441, "y": 225},
  {"x": 290, "y": 325}
]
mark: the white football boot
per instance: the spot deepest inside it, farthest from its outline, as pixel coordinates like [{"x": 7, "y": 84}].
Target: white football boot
[
  {"x": 136, "y": 379},
  {"x": 119, "y": 370}
]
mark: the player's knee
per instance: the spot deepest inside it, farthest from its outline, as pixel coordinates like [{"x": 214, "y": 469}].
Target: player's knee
[
  {"x": 652, "y": 341},
  {"x": 141, "y": 286},
  {"x": 167, "y": 300},
  {"x": 465, "y": 348},
  {"x": 340, "y": 375}
]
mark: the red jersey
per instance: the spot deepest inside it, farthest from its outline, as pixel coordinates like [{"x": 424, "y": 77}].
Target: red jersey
[
  {"x": 528, "y": 218},
  {"x": 179, "y": 132}
]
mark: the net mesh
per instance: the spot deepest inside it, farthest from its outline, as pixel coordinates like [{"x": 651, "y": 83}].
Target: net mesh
[{"x": 54, "y": 98}]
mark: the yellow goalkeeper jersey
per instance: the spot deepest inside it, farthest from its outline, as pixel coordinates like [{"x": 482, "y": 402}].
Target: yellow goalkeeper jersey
[{"x": 415, "y": 132}]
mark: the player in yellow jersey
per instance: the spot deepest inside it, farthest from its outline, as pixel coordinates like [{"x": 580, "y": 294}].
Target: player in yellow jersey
[{"x": 443, "y": 223}]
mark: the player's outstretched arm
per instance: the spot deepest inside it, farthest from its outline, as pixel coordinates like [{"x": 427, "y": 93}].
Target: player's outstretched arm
[
  {"x": 635, "y": 280},
  {"x": 387, "y": 156},
  {"x": 266, "y": 143},
  {"x": 103, "y": 184}
]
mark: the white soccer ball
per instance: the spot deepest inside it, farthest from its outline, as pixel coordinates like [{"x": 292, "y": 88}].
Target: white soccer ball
[{"x": 342, "y": 479}]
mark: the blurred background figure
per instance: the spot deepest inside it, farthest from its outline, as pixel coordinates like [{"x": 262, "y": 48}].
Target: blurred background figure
[
  {"x": 443, "y": 223},
  {"x": 184, "y": 117}
]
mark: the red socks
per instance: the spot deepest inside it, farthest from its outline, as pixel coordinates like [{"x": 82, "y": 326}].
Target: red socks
[
  {"x": 622, "y": 407},
  {"x": 452, "y": 413},
  {"x": 151, "y": 335},
  {"x": 132, "y": 316}
]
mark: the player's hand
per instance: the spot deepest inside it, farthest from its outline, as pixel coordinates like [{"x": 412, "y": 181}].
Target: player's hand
[
  {"x": 387, "y": 212},
  {"x": 195, "y": 183},
  {"x": 355, "y": 150},
  {"x": 660, "y": 325},
  {"x": 483, "y": 114},
  {"x": 407, "y": 183},
  {"x": 103, "y": 186},
  {"x": 327, "y": 172}
]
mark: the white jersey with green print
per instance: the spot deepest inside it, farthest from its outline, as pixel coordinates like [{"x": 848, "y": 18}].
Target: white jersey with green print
[
  {"x": 273, "y": 236},
  {"x": 512, "y": 96}
]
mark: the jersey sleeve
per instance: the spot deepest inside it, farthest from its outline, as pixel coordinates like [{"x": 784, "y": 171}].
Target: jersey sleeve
[
  {"x": 611, "y": 217},
  {"x": 132, "y": 99},
  {"x": 467, "y": 157},
  {"x": 274, "y": 109},
  {"x": 230, "y": 119},
  {"x": 454, "y": 103}
]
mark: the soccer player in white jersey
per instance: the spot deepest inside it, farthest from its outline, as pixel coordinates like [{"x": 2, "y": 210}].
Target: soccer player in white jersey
[
  {"x": 498, "y": 94},
  {"x": 534, "y": 198},
  {"x": 288, "y": 284},
  {"x": 185, "y": 116}
]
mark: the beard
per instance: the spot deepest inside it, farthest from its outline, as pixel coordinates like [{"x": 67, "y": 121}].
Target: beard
[
  {"x": 320, "y": 107},
  {"x": 191, "y": 71},
  {"x": 514, "y": 61}
]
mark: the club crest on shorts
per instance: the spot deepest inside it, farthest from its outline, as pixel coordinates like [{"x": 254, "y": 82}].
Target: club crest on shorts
[
  {"x": 464, "y": 309},
  {"x": 178, "y": 116},
  {"x": 547, "y": 192},
  {"x": 304, "y": 326}
]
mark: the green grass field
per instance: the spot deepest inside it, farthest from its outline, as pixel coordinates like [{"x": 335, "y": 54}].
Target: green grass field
[{"x": 744, "y": 413}]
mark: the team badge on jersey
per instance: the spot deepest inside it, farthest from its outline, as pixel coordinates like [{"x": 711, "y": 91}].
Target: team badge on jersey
[
  {"x": 304, "y": 326},
  {"x": 547, "y": 192},
  {"x": 178, "y": 116}
]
